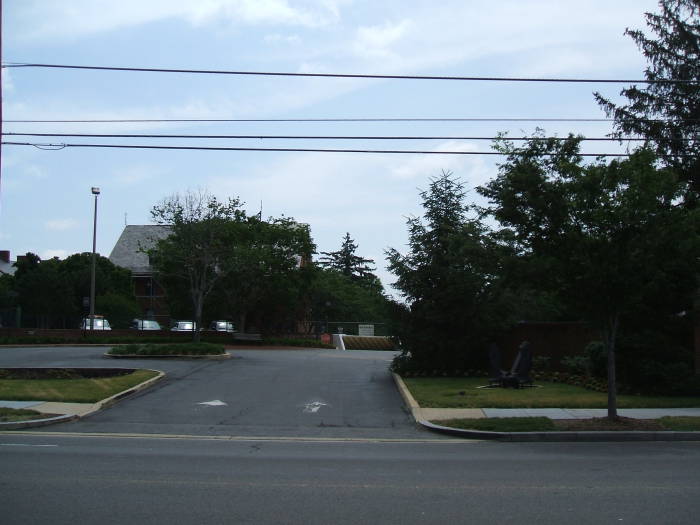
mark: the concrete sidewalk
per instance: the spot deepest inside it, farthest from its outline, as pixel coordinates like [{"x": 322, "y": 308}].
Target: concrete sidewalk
[{"x": 47, "y": 407}]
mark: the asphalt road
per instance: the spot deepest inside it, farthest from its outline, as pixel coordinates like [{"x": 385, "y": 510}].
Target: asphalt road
[
  {"x": 302, "y": 393},
  {"x": 62, "y": 479}
]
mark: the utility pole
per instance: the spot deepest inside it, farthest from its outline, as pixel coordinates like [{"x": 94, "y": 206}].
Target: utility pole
[{"x": 95, "y": 192}]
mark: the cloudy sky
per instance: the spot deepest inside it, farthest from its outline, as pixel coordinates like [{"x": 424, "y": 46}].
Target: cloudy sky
[{"x": 46, "y": 204}]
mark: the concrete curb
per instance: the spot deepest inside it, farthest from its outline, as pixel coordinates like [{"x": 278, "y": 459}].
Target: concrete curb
[
  {"x": 214, "y": 357},
  {"x": 96, "y": 406},
  {"x": 415, "y": 410}
]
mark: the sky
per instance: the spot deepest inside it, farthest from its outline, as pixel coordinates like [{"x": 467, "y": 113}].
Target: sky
[{"x": 46, "y": 205}]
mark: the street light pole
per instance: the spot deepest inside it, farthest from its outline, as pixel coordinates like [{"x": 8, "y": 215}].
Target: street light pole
[{"x": 95, "y": 192}]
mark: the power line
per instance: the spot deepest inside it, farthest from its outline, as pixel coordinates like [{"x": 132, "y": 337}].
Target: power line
[
  {"x": 410, "y": 119},
  {"x": 350, "y": 75},
  {"x": 311, "y": 150},
  {"x": 316, "y": 137}
]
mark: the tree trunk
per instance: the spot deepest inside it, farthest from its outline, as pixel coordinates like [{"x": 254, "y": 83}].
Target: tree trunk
[
  {"x": 610, "y": 339},
  {"x": 242, "y": 320}
]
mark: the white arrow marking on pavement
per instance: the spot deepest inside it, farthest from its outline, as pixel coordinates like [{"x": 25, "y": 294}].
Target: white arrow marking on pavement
[
  {"x": 314, "y": 407},
  {"x": 215, "y": 403}
]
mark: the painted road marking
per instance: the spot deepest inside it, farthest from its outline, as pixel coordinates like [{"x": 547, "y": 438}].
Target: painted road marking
[
  {"x": 314, "y": 406},
  {"x": 24, "y": 445},
  {"x": 214, "y": 403}
]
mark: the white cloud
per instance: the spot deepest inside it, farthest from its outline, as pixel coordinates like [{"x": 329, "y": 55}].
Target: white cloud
[
  {"x": 277, "y": 39},
  {"x": 39, "y": 19},
  {"x": 50, "y": 254},
  {"x": 376, "y": 41},
  {"x": 61, "y": 224}
]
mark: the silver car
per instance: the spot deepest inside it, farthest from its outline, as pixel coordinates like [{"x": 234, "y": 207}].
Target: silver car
[{"x": 184, "y": 326}]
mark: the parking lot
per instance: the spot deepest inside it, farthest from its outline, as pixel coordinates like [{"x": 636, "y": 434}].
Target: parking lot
[{"x": 295, "y": 393}]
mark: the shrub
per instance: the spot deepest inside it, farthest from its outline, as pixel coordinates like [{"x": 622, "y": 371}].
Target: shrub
[{"x": 168, "y": 349}]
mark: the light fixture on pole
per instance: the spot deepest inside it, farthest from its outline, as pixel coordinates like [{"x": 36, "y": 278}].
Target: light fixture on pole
[{"x": 95, "y": 192}]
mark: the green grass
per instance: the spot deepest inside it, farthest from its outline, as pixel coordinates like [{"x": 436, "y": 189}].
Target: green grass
[
  {"x": 681, "y": 423},
  {"x": 543, "y": 424},
  {"x": 10, "y": 415},
  {"x": 169, "y": 349},
  {"x": 85, "y": 390},
  {"x": 502, "y": 424},
  {"x": 447, "y": 392}
]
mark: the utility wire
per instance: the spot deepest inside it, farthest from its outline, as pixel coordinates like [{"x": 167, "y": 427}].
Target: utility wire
[
  {"x": 467, "y": 119},
  {"x": 312, "y": 150},
  {"x": 350, "y": 75},
  {"x": 315, "y": 137}
]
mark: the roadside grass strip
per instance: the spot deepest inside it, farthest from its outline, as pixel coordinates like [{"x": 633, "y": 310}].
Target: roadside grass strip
[
  {"x": 11, "y": 415},
  {"x": 80, "y": 390},
  {"x": 544, "y": 424},
  {"x": 463, "y": 392},
  {"x": 168, "y": 349}
]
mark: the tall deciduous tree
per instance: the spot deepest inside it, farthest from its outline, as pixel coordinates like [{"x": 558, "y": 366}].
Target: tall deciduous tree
[
  {"x": 605, "y": 237},
  {"x": 667, "y": 112},
  {"x": 197, "y": 250}
]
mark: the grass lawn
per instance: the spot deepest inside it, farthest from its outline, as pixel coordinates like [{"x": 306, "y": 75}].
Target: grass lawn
[
  {"x": 175, "y": 349},
  {"x": 449, "y": 392},
  {"x": 11, "y": 415},
  {"x": 544, "y": 424},
  {"x": 84, "y": 390}
]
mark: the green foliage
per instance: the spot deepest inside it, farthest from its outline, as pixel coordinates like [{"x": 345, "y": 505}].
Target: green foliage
[
  {"x": 606, "y": 238},
  {"x": 450, "y": 280},
  {"x": 51, "y": 292},
  {"x": 169, "y": 349},
  {"x": 666, "y": 113},
  {"x": 350, "y": 265},
  {"x": 337, "y": 297},
  {"x": 118, "y": 309},
  {"x": 194, "y": 256}
]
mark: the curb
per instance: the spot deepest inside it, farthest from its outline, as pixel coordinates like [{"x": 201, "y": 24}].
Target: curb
[
  {"x": 415, "y": 411},
  {"x": 96, "y": 406}
]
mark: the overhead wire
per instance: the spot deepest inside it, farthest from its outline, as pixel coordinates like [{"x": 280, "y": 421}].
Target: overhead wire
[
  {"x": 347, "y": 75},
  {"x": 313, "y": 150},
  {"x": 317, "y": 137}
]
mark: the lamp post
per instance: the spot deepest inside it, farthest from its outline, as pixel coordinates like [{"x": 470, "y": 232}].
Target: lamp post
[{"x": 95, "y": 192}]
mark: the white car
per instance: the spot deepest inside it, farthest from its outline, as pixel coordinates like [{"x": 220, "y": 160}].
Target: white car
[
  {"x": 222, "y": 326},
  {"x": 184, "y": 326},
  {"x": 98, "y": 323}
]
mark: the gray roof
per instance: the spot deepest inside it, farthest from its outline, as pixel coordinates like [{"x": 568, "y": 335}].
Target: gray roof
[
  {"x": 7, "y": 267},
  {"x": 128, "y": 253}
]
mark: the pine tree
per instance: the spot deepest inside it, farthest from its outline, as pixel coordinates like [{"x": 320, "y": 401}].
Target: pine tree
[
  {"x": 346, "y": 262},
  {"x": 667, "y": 113}
]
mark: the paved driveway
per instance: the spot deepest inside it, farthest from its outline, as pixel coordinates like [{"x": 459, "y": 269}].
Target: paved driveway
[{"x": 306, "y": 393}]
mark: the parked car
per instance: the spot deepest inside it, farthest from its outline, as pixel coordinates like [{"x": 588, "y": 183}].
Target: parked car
[
  {"x": 222, "y": 326},
  {"x": 98, "y": 323},
  {"x": 144, "y": 324},
  {"x": 184, "y": 326}
]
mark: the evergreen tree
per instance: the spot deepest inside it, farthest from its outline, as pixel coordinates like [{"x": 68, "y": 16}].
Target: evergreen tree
[
  {"x": 346, "y": 262},
  {"x": 667, "y": 111}
]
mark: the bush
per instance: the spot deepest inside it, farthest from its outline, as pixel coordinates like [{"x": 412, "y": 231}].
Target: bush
[{"x": 169, "y": 349}]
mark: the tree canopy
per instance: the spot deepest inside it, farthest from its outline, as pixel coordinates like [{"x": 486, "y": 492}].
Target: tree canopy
[
  {"x": 667, "y": 111},
  {"x": 604, "y": 237}
]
